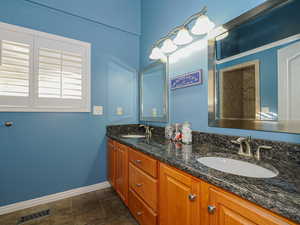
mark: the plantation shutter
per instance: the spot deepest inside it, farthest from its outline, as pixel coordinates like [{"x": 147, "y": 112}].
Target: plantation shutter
[
  {"x": 41, "y": 72},
  {"x": 15, "y": 68},
  {"x": 62, "y": 74}
]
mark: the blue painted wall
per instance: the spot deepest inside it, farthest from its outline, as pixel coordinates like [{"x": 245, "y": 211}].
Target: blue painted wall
[
  {"x": 124, "y": 15},
  {"x": 190, "y": 104},
  {"x": 45, "y": 153}
]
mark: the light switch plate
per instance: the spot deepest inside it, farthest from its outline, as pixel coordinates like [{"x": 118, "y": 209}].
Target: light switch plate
[{"x": 97, "y": 110}]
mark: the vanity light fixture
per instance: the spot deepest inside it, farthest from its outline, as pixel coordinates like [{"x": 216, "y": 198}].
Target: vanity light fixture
[
  {"x": 183, "y": 37},
  {"x": 168, "y": 46},
  {"x": 202, "y": 26},
  {"x": 156, "y": 54}
]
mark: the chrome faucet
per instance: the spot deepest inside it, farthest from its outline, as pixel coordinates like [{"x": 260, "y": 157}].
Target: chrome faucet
[
  {"x": 148, "y": 130},
  {"x": 257, "y": 154},
  {"x": 245, "y": 148}
]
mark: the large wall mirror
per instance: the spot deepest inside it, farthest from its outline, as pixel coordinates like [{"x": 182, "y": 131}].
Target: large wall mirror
[
  {"x": 254, "y": 70},
  {"x": 154, "y": 93}
]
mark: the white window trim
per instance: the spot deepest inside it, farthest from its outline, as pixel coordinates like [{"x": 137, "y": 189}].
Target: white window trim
[{"x": 35, "y": 34}]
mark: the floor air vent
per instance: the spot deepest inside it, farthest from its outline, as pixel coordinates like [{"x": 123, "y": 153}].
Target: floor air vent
[{"x": 34, "y": 216}]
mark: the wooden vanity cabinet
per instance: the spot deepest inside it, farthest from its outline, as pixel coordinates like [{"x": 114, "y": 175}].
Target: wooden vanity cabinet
[
  {"x": 121, "y": 171},
  {"x": 224, "y": 208},
  {"x": 111, "y": 171},
  {"x": 179, "y": 198},
  {"x": 160, "y": 194}
]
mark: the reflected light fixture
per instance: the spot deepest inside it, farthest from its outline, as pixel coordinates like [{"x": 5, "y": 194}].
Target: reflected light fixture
[
  {"x": 156, "y": 53},
  {"x": 219, "y": 33},
  {"x": 203, "y": 25},
  {"x": 183, "y": 37},
  {"x": 168, "y": 46}
]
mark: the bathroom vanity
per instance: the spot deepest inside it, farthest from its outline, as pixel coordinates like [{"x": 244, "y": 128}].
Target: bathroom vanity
[{"x": 163, "y": 183}]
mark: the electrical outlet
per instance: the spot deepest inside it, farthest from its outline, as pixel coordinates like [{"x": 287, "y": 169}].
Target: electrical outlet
[{"x": 120, "y": 111}]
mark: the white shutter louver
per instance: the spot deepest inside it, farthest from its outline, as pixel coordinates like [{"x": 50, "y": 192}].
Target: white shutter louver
[
  {"x": 14, "y": 69},
  {"x": 60, "y": 74}
]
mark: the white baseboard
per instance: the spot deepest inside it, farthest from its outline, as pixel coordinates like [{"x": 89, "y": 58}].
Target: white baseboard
[{"x": 51, "y": 198}]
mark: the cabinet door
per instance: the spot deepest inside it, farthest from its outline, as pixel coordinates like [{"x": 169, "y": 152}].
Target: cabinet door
[
  {"x": 229, "y": 209},
  {"x": 111, "y": 163},
  {"x": 121, "y": 180},
  {"x": 179, "y": 198}
]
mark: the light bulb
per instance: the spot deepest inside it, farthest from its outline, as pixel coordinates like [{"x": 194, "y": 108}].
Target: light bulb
[
  {"x": 183, "y": 37},
  {"x": 156, "y": 53},
  {"x": 202, "y": 26},
  {"x": 168, "y": 46}
]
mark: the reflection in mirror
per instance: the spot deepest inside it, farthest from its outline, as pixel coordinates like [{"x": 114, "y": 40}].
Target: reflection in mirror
[
  {"x": 153, "y": 93},
  {"x": 254, "y": 70},
  {"x": 122, "y": 83}
]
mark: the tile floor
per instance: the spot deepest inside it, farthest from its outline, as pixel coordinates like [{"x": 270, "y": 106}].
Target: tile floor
[{"x": 101, "y": 207}]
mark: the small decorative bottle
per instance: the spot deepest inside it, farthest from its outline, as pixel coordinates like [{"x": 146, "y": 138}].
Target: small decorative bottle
[
  {"x": 169, "y": 132},
  {"x": 186, "y": 133},
  {"x": 177, "y": 135}
]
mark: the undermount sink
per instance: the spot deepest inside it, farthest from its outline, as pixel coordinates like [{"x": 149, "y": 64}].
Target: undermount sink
[
  {"x": 133, "y": 136},
  {"x": 237, "y": 167}
]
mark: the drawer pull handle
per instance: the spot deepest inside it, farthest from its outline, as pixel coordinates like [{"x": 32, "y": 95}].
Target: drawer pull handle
[
  {"x": 137, "y": 161},
  {"x": 211, "y": 209},
  {"x": 139, "y": 213},
  {"x": 192, "y": 197},
  {"x": 139, "y": 185}
]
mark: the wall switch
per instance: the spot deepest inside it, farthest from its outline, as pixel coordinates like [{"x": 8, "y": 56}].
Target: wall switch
[
  {"x": 97, "y": 110},
  {"x": 119, "y": 111}
]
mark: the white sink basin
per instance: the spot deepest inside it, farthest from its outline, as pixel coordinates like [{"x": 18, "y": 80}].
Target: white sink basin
[
  {"x": 237, "y": 167},
  {"x": 133, "y": 136}
]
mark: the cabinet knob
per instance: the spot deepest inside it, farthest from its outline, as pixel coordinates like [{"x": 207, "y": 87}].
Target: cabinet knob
[
  {"x": 137, "y": 161},
  {"x": 139, "y": 185},
  {"x": 211, "y": 209},
  {"x": 192, "y": 197},
  {"x": 139, "y": 213}
]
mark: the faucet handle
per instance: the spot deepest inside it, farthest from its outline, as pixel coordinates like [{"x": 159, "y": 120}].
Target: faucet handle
[
  {"x": 235, "y": 142},
  {"x": 241, "y": 139},
  {"x": 257, "y": 154}
]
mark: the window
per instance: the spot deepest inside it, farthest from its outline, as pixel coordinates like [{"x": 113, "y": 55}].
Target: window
[{"x": 43, "y": 72}]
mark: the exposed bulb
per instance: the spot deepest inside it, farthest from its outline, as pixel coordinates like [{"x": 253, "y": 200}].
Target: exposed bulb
[
  {"x": 183, "y": 37},
  {"x": 156, "y": 53},
  {"x": 202, "y": 26},
  {"x": 168, "y": 46}
]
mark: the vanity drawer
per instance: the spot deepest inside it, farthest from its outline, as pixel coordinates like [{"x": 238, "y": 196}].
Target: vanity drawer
[
  {"x": 144, "y": 162},
  {"x": 144, "y": 185},
  {"x": 143, "y": 214}
]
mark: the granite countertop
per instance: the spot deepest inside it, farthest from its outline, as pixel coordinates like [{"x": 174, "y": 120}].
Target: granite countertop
[{"x": 280, "y": 194}]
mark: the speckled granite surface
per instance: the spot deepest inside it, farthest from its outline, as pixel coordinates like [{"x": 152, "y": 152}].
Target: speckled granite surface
[{"x": 280, "y": 194}]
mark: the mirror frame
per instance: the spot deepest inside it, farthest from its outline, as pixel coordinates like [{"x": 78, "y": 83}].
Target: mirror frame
[
  {"x": 165, "y": 118},
  {"x": 274, "y": 126}
]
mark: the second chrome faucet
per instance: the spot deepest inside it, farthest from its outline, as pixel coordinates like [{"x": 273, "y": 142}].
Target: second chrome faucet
[{"x": 245, "y": 147}]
